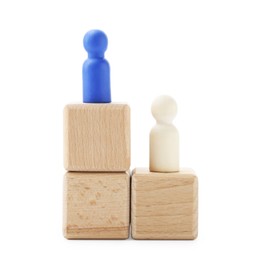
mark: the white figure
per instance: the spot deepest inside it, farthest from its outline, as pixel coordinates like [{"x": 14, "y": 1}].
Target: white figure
[{"x": 164, "y": 137}]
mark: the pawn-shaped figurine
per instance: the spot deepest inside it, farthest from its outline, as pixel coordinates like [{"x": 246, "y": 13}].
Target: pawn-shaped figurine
[
  {"x": 164, "y": 137},
  {"x": 96, "y": 71}
]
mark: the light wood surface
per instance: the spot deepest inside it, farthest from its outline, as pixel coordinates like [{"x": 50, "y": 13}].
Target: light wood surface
[
  {"x": 97, "y": 137},
  {"x": 164, "y": 205},
  {"x": 96, "y": 206}
]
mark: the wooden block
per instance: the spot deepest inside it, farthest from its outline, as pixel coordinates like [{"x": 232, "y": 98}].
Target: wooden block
[
  {"x": 97, "y": 137},
  {"x": 164, "y": 205},
  {"x": 96, "y": 206}
]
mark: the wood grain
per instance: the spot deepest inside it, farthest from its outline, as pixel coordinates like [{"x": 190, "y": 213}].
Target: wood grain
[
  {"x": 96, "y": 206},
  {"x": 97, "y": 137},
  {"x": 164, "y": 205}
]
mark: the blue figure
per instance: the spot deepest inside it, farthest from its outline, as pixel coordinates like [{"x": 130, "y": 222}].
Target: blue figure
[{"x": 96, "y": 71}]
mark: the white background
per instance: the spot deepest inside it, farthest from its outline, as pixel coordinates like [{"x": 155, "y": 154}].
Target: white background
[{"x": 206, "y": 54}]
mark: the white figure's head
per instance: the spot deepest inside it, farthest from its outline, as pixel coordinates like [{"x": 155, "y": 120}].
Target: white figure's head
[{"x": 164, "y": 109}]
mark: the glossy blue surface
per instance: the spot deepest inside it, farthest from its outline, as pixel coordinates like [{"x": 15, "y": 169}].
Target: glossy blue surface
[{"x": 96, "y": 70}]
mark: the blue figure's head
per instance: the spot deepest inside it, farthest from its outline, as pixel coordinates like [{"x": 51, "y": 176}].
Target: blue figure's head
[{"x": 95, "y": 43}]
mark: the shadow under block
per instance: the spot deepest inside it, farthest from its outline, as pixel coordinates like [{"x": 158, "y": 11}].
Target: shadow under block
[
  {"x": 97, "y": 137},
  {"x": 164, "y": 205},
  {"x": 96, "y": 206}
]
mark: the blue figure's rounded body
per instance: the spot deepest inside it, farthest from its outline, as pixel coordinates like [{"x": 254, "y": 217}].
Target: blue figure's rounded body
[{"x": 96, "y": 71}]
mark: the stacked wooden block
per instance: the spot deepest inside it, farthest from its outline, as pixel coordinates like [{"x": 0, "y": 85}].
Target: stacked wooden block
[
  {"x": 97, "y": 184},
  {"x": 97, "y": 158}
]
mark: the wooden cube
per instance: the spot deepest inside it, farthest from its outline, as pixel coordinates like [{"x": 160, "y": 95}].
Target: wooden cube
[
  {"x": 164, "y": 205},
  {"x": 96, "y": 206},
  {"x": 97, "y": 137}
]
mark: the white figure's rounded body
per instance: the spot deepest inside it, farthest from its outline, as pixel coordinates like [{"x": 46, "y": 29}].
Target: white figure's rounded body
[{"x": 164, "y": 137}]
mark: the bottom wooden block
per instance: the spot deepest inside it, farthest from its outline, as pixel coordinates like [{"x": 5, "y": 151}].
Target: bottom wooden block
[
  {"x": 96, "y": 205},
  {"x": 164, "y": 205}
]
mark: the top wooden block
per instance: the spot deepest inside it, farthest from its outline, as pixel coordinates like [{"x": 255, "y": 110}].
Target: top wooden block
[{"x": 97, "y": 137}]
